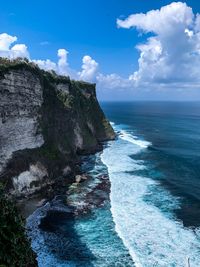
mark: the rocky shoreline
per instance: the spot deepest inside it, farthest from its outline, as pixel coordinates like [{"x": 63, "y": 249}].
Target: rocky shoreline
[
  {"x": 89, "y": 195},
  {"x": 90, "y": 191},
  {"x": 77, "y": 228}
]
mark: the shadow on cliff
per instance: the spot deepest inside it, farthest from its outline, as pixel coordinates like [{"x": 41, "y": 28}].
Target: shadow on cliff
[{"x": 61, "y": 239}]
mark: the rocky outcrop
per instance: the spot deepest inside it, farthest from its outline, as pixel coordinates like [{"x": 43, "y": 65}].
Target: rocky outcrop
[{"x": 46, "y": 122}]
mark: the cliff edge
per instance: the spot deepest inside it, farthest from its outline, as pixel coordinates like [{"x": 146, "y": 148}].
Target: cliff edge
[{"x": 46, "y": 121}]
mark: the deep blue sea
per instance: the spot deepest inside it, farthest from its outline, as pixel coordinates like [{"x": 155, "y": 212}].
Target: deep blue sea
[{"x": 153, "y": 216}]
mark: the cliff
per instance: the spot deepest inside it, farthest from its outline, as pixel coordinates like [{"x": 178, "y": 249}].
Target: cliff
[{"x": 46, "y": 121}]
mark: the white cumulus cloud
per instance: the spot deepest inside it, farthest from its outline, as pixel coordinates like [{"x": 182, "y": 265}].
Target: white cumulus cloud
[
  {"x": 8, "y": 50},
  {"x": 6, "y": 40},
  {"x": 172, "y": 53},
  {"x": 61, "y": 66},
  {"x": 89, "y": 69},
  {"x": 177, "y": 15},
  {"x": 46, "y": 64},
  {"x": 19, "y": 50},
  {"x": 62, "y": 62},
  {"x": 112, "y": 81}
]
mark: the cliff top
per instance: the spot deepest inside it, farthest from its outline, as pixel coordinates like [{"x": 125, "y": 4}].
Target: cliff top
[{"x": 23, "y": 63}]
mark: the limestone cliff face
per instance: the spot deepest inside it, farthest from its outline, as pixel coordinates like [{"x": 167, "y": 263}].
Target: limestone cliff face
[
  {"x": 21, "y": 98},
  {"x": 46, "y": 121}
]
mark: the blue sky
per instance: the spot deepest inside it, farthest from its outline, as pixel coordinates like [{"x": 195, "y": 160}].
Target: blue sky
[{"x": 86, "y": 28}]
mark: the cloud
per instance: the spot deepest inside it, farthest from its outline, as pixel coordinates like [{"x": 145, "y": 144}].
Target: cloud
[
  {"x": 89, "y": 69},
  {"x": 112, "y": 81},
  {"x": 19, "y": 50},
  {"x": 61, "y": 67},
  {"x": 9, "y": 51},
  {"x": 46, "y": 64},
  {"x": 6, "y": 40},
  {"x": 172, "y": 54},
  {"x": 161, "y": 21},
  {"x": 62, "y": 62},
  {"x": 169, "y": 58}
]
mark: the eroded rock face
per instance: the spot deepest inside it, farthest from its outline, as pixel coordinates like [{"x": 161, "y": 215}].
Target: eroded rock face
[
  {"x": 31, "y": 180},
  {"x": 20, "y": 101},
  {"x": 46, "y": 121},
  {"x": 62, "y": 87}
]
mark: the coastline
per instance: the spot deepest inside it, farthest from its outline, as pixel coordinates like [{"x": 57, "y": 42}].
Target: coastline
[
  {"x": 124, "y": 191},
  {"x": 80, "y": 183},
  {"x": 52, "y": 227}
]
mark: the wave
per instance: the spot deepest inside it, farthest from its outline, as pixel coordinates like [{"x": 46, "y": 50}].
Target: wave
[
  {"x": 133, "y": 139},
  {"x": 88, "y": 241},
  {"x": 125, "y": 135},
  {"x": 152, "y": 236}
]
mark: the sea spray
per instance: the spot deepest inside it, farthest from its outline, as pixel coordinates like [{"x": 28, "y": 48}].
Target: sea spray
[{"x": 152, "y": 237}]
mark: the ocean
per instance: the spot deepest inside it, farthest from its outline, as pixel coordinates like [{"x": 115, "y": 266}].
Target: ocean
[{"x": 152, "y": 214}]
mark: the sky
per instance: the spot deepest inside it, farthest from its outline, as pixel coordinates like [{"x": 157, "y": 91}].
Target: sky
[{"x": 132, "y": 50}]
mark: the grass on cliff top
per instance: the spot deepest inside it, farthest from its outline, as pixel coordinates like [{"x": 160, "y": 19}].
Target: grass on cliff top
[
  {"x": 83, "y": 84},
  {"x": 15, "y": 249},
  {"x": 6, "y": 64}
]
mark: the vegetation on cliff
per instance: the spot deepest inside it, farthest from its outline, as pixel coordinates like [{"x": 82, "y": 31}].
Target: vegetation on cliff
[{"x": 15, "y": 250}]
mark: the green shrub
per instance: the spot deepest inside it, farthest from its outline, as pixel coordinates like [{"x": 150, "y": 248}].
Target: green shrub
[
  {"x": 66, "y": 99},
  {"x": 15, "y": 250}
]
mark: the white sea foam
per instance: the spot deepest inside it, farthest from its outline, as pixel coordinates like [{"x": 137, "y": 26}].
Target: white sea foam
[
  {"x": 133, "y": 139},
  {"x": 152, "y": 237}
]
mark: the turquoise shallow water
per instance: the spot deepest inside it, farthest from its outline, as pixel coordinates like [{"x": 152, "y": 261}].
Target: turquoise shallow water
[
  {"x": 87, "y": 240},
  {"x": 97, "y": 231},
  {"x": 153, "y": 216}
]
